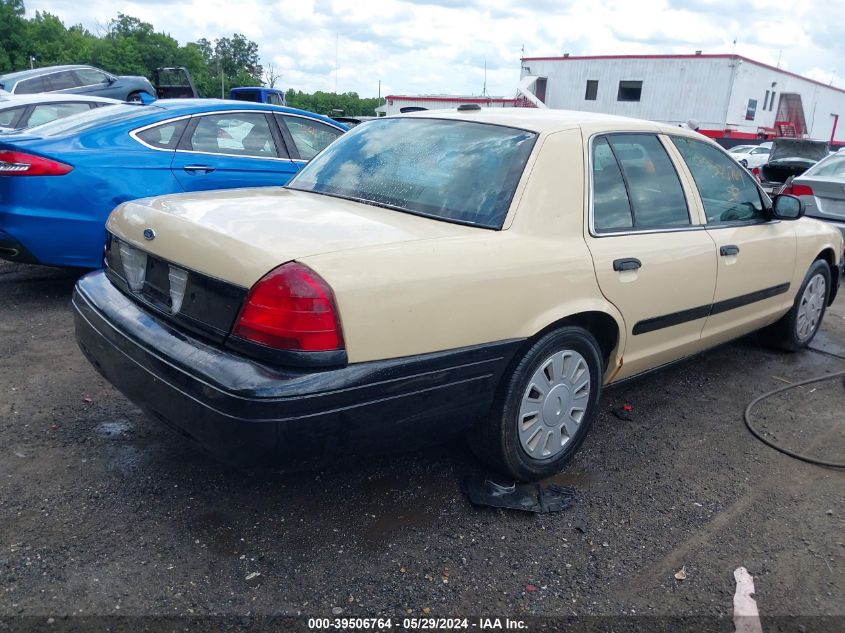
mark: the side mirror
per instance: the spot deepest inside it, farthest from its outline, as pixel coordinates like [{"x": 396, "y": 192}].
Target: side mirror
[{"x": 787, "y": 207}]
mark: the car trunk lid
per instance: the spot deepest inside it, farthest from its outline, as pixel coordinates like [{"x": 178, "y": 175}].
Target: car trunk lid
[
  {"x": 239, "y": 235},
  {"x": 798, "y": 148},
  {"x": 792, "y": 157}
]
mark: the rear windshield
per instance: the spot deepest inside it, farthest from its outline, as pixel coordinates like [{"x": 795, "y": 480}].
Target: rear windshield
[
  {"x": 247, "y": 95},
  {"x": 92, "y": 118},
  {"x": 457, "y": 171},
  {"x": 831, "y": 166}
]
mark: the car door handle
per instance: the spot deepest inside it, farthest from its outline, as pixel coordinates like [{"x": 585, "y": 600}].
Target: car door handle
[
  {"x": 729, "y": 249},
  {"x": 628, "y": 263},
  {"x": 202, "y": 169}
]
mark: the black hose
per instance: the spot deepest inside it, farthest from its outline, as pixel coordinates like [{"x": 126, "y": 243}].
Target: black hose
[{"x": 804, "y": 458}]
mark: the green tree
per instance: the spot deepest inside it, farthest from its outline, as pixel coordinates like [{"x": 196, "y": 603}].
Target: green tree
[
  {"x": 13, "y": 40},
  {"x": 130, "y": 46}
]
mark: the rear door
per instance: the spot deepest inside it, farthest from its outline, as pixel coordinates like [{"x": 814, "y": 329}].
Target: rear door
[
  {"x": 756, "y": 255},
  {"x": 223, "y": 150},
  {"x": 654, "y": 261},
  {"x": 93, "y": 82}
]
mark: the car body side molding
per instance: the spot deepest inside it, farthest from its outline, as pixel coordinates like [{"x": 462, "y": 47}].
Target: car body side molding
[{"x": 683, "y": 316}]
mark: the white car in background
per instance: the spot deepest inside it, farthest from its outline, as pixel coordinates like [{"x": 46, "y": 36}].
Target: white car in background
[
  {"x": 753, "y": 156},
  {"x": 18, "y": 112}
]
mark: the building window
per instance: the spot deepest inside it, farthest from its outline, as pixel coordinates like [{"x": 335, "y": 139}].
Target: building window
[
  {"x": 592, "y": 90},
  {"x": 751, "y": 109},
  {"x": 629, "y": 91},
  {"x": 772, "y": 102},
  {"x": 766, "y": 101}
]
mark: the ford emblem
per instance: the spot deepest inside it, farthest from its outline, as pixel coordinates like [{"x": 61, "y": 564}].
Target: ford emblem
[{"x": 149, "y": 234}]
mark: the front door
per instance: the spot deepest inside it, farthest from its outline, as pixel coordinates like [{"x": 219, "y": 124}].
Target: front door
[
  {"x": 756, "y": 255},
  {"x": 225, "y": 150},
  {"x": 653, "y": 260}
]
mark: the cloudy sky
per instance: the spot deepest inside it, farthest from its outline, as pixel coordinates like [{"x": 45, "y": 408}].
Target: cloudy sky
[{"x": 441, "y": 46}]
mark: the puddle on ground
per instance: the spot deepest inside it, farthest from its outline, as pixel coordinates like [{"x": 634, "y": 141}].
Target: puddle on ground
[
  {"x": 827, "y": 341},
  {"x": 128, "y": 460},
  {"x": 112, "y": 429}
]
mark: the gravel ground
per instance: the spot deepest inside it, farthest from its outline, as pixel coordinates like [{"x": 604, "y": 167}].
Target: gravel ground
[{"x": 104, "y": 512}]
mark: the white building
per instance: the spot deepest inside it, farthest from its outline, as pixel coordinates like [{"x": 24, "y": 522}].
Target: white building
[
  {"x": 729, "y": 96},
  {"x": 396, "y": 103}
]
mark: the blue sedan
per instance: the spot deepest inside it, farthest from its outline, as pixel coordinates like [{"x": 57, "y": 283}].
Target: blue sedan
[{"x": 60, "y": 181}]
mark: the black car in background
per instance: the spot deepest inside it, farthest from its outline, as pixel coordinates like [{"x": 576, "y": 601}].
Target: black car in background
[
  {"x": 789, "y": 158},
  {"x": 85, "y": 80}
]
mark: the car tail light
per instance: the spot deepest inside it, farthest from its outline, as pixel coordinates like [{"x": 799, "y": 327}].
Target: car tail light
[
  {"x": 800, "y": 190},
  {"x": 21, "y": 164},
  {"x": 291, "y": 308}
]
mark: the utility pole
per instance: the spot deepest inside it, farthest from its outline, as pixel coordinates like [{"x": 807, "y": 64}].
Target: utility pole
[
  {"x": 31, "y": 62},
  {"x": 220, "y": 72}
]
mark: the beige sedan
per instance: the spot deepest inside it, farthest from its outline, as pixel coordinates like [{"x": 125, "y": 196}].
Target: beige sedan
[{"x": 471, "y": 271}]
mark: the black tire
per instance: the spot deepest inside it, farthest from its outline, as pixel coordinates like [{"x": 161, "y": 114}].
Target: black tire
[
  {"x": 496, "y": 439},
  {"x": 785, "y": 331}
]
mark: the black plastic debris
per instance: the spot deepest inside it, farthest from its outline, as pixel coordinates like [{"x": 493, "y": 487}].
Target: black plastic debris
[
  {"x": 625, "y": 412},
  {"x": 483, "y": 491}
]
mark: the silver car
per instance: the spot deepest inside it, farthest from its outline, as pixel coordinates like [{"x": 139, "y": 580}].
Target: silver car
[{"x": 822, "y": 189}]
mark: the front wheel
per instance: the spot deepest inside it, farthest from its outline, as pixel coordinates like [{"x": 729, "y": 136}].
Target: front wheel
[
  {"x": 545, "y": 406},
  {"x": 798, "y": 326}
]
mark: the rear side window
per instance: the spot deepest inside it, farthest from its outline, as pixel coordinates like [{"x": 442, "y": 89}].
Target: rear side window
[
  {"x": 727, "y": 189},
  {"x": 30, "y": 86},
  {"x": 62, "y": 80},
  {"x": 47, "y": 112},
  {"x": 611, "y": 208},
  {"x": 310, "y": 137},
  {"x": 651, "y": 184},
  {"x": 165, "y": 135},
  {"x": 275, "y": 99},
  {"x": 9, "y": 116}
]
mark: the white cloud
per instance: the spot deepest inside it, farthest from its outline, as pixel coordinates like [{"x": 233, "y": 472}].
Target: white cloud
[{"x": 436, "y": 46}]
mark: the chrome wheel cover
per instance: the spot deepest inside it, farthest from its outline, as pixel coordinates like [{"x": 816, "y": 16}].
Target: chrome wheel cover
[
  {"x": 810, "y": 308},
  {"x": 554, "y": 404}
]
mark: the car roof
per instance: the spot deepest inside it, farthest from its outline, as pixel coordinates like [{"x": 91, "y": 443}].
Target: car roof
[
  {"x": 7, "y": 100},
  {"x": 37, "y": 72},
  {"x": 159, "y": 111},
  {"x": 262, "y": 88},
  {"x": 548, "y": 120},
  {"x": 190, "y": 106}
]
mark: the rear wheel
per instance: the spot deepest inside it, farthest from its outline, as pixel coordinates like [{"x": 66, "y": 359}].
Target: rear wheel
[
  {"x": 545, "y": 406},
  {"x": 798, "y": 326}
]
